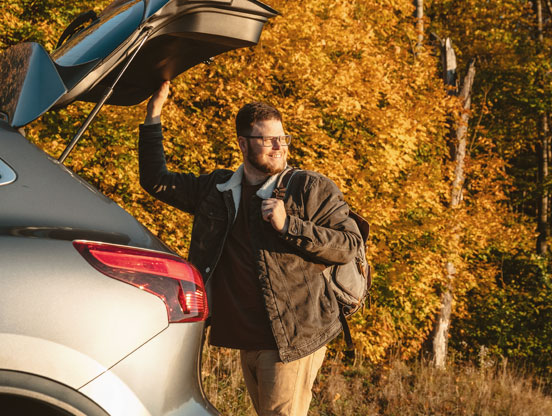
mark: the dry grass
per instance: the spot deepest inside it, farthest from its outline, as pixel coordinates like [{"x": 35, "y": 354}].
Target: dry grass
[
  {"x": 398, "y": 388},
  {"x": 223, "y": 382},
  {"x": 419, "y": 389}
]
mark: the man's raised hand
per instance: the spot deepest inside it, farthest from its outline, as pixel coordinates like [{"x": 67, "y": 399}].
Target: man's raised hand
[{"x": 155, "y": 104}]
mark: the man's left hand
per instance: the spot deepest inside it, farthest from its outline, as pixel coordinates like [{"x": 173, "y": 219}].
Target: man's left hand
[{"x": 273, "y": 211}]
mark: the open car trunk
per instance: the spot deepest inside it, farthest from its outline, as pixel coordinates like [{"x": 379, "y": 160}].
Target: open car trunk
[{"x": 166, "y": 36}]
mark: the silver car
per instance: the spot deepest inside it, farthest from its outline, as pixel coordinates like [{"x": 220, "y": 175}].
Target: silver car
[{"x": 97, "y": 316}]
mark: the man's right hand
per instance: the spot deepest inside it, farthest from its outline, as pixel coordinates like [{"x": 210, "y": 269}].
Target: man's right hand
[{"x": 155, "y": 104}]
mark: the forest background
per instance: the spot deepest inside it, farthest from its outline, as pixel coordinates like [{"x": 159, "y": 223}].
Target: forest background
[{"x": 361, "y": 89}]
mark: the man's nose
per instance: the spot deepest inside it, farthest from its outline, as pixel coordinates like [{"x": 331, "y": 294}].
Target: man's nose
[{"x": 276, "y": 143}]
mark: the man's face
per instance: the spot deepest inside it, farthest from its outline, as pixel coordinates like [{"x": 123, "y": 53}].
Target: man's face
[{"x": 267, "y": 160}]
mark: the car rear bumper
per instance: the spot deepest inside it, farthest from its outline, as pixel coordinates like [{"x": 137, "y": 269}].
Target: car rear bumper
[{"x": 161, "y": 377}]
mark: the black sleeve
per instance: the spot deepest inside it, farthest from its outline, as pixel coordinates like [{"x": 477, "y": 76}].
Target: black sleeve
[{"x": 181, "y": 190}]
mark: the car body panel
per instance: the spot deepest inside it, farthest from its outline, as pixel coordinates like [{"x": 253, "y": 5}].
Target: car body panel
[
  {"x": 73, "y": 327},
  {"x": 153, "y": 6},
  {"x": 40, "y": 390},
  {"x": 157, "y": 373},
  {"x": 48, "y": 198}
]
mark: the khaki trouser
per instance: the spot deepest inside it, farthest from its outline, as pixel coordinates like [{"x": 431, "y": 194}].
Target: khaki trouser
[{"x": 277, "y": 388}]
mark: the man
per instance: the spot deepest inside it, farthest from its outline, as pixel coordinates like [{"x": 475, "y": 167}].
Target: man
[{"x": 261, "y": 257}]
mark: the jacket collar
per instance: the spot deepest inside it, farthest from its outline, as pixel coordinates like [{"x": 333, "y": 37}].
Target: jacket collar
[
  {"x": 234, "y": 184},
  {"x": 234, "y": 181}
]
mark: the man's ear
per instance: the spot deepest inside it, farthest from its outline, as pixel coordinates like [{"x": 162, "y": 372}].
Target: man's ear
[{"x": 242, "y": 143}]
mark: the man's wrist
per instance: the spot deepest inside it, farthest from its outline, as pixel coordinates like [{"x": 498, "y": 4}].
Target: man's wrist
[
  {"x": 152, "y": 120},
  {"x": 285, "y": 227}
]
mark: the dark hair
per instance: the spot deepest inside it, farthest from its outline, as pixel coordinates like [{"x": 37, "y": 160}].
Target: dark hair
[{"x": 250, "y": 113}]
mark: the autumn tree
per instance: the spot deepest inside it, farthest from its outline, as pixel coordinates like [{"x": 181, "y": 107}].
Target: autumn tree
[{"x": 511, "y": 104}]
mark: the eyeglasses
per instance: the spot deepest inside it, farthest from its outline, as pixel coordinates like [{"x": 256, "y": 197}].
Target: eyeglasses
[{"x": 269, "y": 141}]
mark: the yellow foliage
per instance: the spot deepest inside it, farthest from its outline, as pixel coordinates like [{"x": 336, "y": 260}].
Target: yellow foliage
[{"x": 365, "y": 112}]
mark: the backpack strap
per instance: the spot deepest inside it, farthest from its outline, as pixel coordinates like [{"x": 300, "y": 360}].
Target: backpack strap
[
  {"x": 283, "y": 182},
  {"x": 362, "y": 224},
  {"x": 350, "y": 350},
  {"x": 346, "y": 330}
]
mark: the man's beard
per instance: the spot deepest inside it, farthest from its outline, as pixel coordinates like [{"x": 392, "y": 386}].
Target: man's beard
[{"x": 262, "y": 167}]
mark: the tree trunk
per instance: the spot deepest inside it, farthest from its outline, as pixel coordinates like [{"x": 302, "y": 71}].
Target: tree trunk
[
  {"x": 543, "y": 149},
  {"x": 448, "y": 60},
  {"x": 458, "y": 151},
  {"x": 440, "y": 338},
  {"x": 420, "y": 22}
]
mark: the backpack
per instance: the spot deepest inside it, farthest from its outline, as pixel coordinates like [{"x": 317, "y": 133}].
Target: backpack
[{"x": 350, "y": 282}]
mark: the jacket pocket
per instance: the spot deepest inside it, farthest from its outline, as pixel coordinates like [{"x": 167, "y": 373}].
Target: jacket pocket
[{"x": 320, "y": 298}]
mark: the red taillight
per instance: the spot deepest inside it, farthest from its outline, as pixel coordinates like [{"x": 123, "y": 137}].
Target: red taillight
[{"x": 169, "y": 277}]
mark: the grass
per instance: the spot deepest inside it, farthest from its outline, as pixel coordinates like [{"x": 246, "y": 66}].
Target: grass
[
  {"x": 223, "y": 382},
  {"x": 394, "y": 388},
  {"x": 420, "y": 389}
]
